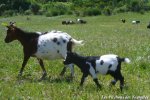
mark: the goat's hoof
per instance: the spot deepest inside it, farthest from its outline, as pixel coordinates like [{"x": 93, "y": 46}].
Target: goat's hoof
[
  {"x": 43, "y": 77},
  {"x": 113, "y": 82},
  {"x": 62, "y": 74},
  {"x": 99, "y": 87},
  {"x": 72, "y": 77},
  {"x": 80, "y": 87},
  {"x": 121, "y": 88},
  {"x": 19, "y": 75}
]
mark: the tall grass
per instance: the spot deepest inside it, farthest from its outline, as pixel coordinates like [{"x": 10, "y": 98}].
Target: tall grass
[{"x": 102, "y": 35}]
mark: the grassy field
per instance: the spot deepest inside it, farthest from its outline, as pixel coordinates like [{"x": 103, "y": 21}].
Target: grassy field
[{"x": 101, "y": 35}]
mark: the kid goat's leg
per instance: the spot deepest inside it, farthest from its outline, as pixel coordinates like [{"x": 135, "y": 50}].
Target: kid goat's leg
[
  {"x": 114, "y": 75},
  {"x": 83, "y": 78},
  {"x": 94, "y": 76},
  {"x": 43, "y": 68},
  {"x": 26, "y": 58},
  {"x": 71, "y": 66},
  {"x": 63, "y": 71},
  {"x": 121, "y": 78}
]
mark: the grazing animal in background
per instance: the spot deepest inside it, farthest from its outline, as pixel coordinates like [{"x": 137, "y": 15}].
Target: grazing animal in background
[
  {"x": 65, "y": 22},
  {"x": 50, "y": 46},
  {"x": 68, "y": 22},
  {"x": 105, "y": 64},
  {"x": 148, "y": 26},
  {"x": 71, "y": 22},
  {"x": 123, "y": 20},
  {"x": 135, "y": 22},
  {"x": 80, "y": 21}
]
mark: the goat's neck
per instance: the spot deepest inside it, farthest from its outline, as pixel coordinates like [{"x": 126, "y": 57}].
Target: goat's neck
[
  {"x": 79, "y": 61},
  {"x": 23, "y": 38}
]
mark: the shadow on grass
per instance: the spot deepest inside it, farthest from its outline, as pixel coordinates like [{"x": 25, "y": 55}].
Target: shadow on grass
[
  {"x": 50, "y": 79},
  {"x": 60, "y": 79}
]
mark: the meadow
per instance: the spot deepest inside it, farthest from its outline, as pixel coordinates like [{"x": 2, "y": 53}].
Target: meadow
[{"x": 101, "y": 35}]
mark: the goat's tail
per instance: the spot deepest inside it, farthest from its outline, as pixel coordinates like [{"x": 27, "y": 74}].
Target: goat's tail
[
  {"x": 72, "y": 42},
  {"x": 127, "y": 60},
  {"x": 77, "y": 42}
]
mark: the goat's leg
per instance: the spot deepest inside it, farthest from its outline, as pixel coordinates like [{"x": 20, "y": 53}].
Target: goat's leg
[
  {"x": 121, "y": 82},
  {"x": 83, "y": 78},
  {"x": 43, "y": 68},
  {"x": 121, "y": 79},
  {"x": 26, "y": 58},
  {"x": 71, "y": 66},
  {"x": 97, "y": 83},
  {"x": 114, "y": 75},
  {"x": 94, "y": 76},
  {"x": 113, "y": 82},
  {"x": 63, "y": 71}
]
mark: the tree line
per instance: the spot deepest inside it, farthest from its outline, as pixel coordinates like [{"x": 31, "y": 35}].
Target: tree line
[{"x": 69, "y": 7}]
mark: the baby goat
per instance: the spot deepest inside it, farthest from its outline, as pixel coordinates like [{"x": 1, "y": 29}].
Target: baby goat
[{"x": 91, "y": 65}]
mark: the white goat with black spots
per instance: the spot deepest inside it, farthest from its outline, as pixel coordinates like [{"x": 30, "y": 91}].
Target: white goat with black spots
[
  {"x": 48, "y": 45},
  {"x": 105, "y": 64}
]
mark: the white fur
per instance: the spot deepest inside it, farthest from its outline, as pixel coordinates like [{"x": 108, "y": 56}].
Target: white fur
[
  {"x": 108, "y": 59},
  {"x": 48, "y": 49},
  {"x": 127, "y": 60}
]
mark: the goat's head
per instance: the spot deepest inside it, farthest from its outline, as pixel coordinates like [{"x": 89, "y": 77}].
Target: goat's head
[
  {"x": 11, "y": 32},
  {"x": 69, "y": 58}
]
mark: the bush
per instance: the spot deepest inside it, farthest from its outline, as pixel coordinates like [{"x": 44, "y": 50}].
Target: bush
[
  {"x": 3, "y": 8},
  {"x": 107, "y": 11},
  {"x": 8, "y": 13},
  {"x": 135, "y": 6},
  {"x": 52, "y": 13},
  {"x": 48, "y": 14},
  {"x": 55, "y": 12},
  {"x": 35, "y": 8},
  {"x": 28, "y": 12},
  {"x": 121, "y": 9},
  {"x": 142, "y": 12},
  {"x": 41, "y": 12},
  {"x": 91, "y": 12},
  {"x": 57, "y": 8}
]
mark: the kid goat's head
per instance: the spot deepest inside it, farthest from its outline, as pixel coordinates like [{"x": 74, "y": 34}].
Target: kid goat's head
[
  {"x": 11, "y": 32},
  {"x": 69, "y": 58}
]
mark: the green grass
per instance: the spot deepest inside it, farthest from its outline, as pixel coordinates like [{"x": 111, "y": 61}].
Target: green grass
[{"x": 102, "y": 35}]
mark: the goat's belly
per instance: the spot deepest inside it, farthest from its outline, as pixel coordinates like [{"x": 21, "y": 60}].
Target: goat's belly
[
  {"x": 102, "y": 69},
  {"x": 48, "y": 55},
  {"x": 108, "y": 64}
]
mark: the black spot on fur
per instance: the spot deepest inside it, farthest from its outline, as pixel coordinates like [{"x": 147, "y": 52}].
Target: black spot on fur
[
  {"x": 58, "y": 43},
  {"x": 55, "y": 40},
  {"x": 101, "y": 62},
  {"x": 44, "y": 45},
  {"x": 57, "y": 51},
  {"x": 110, "y": 66},
  {"x": 64, "y": 41}
]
